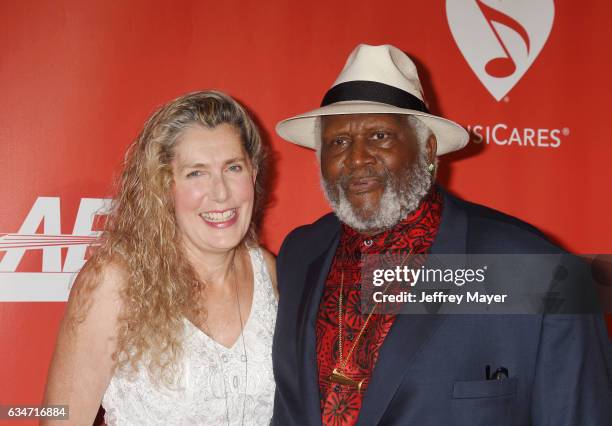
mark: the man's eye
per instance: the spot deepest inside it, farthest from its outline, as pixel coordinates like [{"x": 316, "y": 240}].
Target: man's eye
[
  {"x": 235, "y": 168},
  {"x": 338, "y": 141},
  {"x": 380, "y": 135}
]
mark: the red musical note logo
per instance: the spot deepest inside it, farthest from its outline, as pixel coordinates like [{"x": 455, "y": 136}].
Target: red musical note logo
[{"x": 503, "y": 66}]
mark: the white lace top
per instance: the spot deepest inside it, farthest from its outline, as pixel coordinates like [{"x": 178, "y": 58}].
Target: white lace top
[{"x": 218, "y": 386}]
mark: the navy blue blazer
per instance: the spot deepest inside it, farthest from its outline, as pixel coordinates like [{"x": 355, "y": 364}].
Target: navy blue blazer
[{"x": 431, "y": 368}]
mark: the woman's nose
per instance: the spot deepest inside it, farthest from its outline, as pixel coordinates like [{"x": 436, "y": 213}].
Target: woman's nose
[{"x": 220, "y": 191}]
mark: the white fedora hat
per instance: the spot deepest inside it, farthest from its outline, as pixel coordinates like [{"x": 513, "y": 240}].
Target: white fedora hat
[{"x": 375, "y": 80}]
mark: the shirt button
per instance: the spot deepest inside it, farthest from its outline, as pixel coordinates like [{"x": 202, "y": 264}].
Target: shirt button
[
  {"x": 224, "y": 358},
  {"x": 243, "y": 358},
  {"x": 350, "y": 337},
  {"x": 337, "y": 388},
  {"x": 368, "y": 243}
]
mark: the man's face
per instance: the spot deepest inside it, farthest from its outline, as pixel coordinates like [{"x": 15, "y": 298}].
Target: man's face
[{"x": 370, "y": 164}]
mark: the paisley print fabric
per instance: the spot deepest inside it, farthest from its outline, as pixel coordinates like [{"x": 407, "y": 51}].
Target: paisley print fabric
[{"x": 415, "y": 234}]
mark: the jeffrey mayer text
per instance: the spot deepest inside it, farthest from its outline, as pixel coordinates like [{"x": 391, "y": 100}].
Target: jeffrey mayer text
[{"x": 438, "y": 297}]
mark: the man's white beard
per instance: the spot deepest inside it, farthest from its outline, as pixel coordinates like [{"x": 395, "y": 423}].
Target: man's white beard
[{"x": 401, "y": 197}]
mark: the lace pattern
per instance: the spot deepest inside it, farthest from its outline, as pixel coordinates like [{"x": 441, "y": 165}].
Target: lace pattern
[{"x": 209, "y": 371}]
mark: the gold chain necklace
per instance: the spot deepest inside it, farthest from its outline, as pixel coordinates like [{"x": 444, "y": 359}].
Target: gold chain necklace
[{"x": 338, "y": 375}]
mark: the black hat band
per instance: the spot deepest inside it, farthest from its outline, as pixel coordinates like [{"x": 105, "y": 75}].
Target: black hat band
[{"x": 372, "y": 91}]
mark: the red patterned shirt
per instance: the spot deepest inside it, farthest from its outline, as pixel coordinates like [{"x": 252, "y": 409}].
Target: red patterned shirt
[{"x": 340, "y": 404}]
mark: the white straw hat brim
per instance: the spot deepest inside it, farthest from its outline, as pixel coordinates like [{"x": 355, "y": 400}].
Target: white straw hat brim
[{"x": 302, "y": 130}]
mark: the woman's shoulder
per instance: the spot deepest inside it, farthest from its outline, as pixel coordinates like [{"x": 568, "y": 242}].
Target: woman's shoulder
[
  {"x": 270, "y": 262},
  {"x": 101, "y": 276},
  {"x": 269, "y": 258},
  {"x": 97, "y": 289}
]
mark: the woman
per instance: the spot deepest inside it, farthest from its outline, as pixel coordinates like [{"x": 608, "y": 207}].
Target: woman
[{"x": 171, "y": 320}]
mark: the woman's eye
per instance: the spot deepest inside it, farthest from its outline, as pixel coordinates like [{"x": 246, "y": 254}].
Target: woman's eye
[{"x": 194, "y": 173}]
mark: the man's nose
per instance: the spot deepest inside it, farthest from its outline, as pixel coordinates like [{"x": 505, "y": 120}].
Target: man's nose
[
  {"x": 359, "y": 153},
  {"x": 220, "y": 190}
]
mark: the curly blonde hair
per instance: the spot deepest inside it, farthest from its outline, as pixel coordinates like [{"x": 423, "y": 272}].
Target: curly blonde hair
[{"x": 141, "y": 233}]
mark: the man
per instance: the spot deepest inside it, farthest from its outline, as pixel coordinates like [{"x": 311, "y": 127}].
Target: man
[{"x": 337, "y": 365}]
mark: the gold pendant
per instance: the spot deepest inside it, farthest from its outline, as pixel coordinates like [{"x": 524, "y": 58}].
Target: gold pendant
[{"x": 339, "y": 377}]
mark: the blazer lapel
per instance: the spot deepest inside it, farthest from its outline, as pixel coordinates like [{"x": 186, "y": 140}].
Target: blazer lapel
[
  {"x": 410, "y": 332},
  {"x": 306, "y": 332}
]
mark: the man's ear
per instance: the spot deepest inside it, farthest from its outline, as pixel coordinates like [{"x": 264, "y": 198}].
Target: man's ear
[{"x": 432, "y": 148}]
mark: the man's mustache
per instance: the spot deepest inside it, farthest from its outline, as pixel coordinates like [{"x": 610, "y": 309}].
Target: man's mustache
[{"x": 368, "y": 173}]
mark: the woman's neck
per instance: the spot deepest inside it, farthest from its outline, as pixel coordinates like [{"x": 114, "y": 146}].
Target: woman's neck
[{"x": 217, "y": 269}]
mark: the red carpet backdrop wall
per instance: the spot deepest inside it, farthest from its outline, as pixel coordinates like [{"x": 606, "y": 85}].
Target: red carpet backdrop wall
[{"x": 529, "y": 78}]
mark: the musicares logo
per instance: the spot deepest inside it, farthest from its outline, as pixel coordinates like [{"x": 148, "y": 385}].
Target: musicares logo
[
  {"x": 500, "y": 39},
  {"x": 52, "y": 284}
]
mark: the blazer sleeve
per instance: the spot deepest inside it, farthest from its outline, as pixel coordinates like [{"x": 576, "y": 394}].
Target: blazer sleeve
[
  {"x": 283, "y": 260},
  {"x": 573, "y": 381}
]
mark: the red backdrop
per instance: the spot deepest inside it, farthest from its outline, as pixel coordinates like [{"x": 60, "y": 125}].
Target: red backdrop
[{"x": 78, "y": 79}]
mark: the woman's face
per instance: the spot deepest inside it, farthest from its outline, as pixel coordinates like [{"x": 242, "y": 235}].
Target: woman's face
[{"x": 213, "y": 189}]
